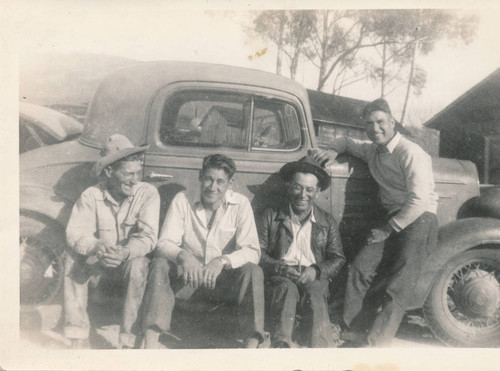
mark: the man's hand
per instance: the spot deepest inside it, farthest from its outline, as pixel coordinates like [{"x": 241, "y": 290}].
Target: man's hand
[
  {"x": 379, "y": 234},
  {"x": 289, "y": 272},
  {"x": 307, "y": 276},
  {"x": 191, "y": 268},
  {"x": 211, "y": 272},
  {"x": 114, "y": 256},
  {"x": 323, "y": 157}
]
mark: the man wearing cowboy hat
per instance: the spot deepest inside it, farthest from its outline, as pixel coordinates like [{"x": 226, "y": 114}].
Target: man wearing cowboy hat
[
  {"x": 301, "y": 253},
  {"x": 381, "y": 278},
  {"x": 113, "y": 225},
  {"x": 208, "y": 247}
]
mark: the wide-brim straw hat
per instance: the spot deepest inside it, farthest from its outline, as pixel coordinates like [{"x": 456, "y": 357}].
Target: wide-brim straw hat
[
  {"x": 306, "y": 165},
  {"x": 117, "y": 147}
]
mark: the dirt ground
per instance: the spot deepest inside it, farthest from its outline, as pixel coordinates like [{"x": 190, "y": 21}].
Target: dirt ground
[{"x": 192, "y": 328}]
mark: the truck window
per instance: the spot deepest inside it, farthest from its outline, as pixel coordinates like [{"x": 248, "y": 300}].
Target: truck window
[
  {"x": 327, "y": 132},
  {"x": 207, "y": 118},
  {"x": 275, "y": 126}
]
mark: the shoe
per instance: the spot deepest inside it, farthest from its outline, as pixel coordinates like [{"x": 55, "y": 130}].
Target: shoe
[
  {"x": 152, "y": 339},
  {"x": 353, "y": 339},
  {"x": 252, "y": 342},
  {"x": 266, "y": 342},
  {"x": 281, "y": 345}
]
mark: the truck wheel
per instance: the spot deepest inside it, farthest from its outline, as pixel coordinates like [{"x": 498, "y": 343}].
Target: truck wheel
[
  {"x": 41, "y": 266},
  {"x": 463, "y": 307}
]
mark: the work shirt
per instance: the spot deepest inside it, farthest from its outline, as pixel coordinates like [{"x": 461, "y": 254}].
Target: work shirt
[
  {"x": 232, "y": 233},
  {"x": 300, "y": 252},
  {"x": 98, "y": 216},
  {"x": 403, "y": 172}
]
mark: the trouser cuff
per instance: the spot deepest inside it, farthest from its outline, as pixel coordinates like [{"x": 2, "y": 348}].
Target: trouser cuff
[{"x": 73, "y": 332}]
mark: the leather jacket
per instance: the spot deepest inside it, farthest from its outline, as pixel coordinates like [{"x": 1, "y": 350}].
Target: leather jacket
[{"x": 275, "y": 236}]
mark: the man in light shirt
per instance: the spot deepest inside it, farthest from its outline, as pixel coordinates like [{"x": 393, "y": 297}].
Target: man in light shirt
[
  {"x": 113, "y": 226},
  {"x": 301, "y": 253},
  {"x": 383, "y": 275},
  {"x": 209, "y": 245}
]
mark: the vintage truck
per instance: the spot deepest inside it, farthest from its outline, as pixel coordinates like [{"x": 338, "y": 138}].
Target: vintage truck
[{"x": 185, "y": 111}]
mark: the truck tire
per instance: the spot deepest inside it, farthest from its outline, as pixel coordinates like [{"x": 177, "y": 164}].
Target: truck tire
[
  {"x": 41, "y": 244},
  {"x": 463, "y": 307}
]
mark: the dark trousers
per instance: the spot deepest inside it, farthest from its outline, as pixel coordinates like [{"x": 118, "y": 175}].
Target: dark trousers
[
  {"x": 382, "y": 278},
  {"x": 286, "y": 296},
  {"x": 243, "y": 287},
  {"x": 131, "y": 276}
]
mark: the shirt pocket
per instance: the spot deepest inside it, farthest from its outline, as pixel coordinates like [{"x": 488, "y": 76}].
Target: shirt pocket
[
  {"x": 226, "y": 235},
  {"x": 106, "y": 232},
  {"x": 129, "y": 226}
]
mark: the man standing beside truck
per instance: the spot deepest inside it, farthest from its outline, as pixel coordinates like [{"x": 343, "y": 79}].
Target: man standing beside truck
[
  {"x": 382, "y": 276},
  {"x": 113, "y": 225}
]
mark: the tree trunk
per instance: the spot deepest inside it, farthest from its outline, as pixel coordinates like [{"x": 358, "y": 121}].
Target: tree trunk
[
  {"x": 322, "y": 71},
  {"x": 294, "y": 63},
  {"x": 410, "y": 79},
  {"x": 278, "y": 61},
  {"x": 324, "y": 45},
  {"x": 384, "y": 61},
  {"x": 280, "y": 47}
]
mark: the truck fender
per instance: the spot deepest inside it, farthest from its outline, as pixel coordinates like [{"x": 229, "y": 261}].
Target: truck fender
[
  {"x": 454, "y": 238},
  {"x": 39, "y": 200}
]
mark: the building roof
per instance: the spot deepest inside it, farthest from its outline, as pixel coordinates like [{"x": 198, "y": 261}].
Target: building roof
[
  {"x": 335, "y": 109},
  {"x": 478, "y": 104}
]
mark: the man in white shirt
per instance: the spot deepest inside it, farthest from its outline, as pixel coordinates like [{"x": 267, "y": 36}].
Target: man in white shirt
[
  {"x": 383, "y": 275},
  {"x": 211, "y": 246}
]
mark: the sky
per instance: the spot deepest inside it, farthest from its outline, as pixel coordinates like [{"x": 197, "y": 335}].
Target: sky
[{"x": 214, "y": 31}]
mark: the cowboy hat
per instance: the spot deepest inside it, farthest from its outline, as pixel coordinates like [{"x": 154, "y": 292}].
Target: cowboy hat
[
  {"x": 306, "y": 165},
  {"x": 117, "y": 147}
]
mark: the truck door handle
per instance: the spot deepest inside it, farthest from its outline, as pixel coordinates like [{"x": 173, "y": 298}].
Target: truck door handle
[{"x": 153, "y": 175}]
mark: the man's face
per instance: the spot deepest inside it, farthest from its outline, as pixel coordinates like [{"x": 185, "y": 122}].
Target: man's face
[
  {"x": 214, "y": 185},
  {"x": 123, "y": 178},
  {"x": 380, "y": 127},
  {"x": 302, "y": 191}
]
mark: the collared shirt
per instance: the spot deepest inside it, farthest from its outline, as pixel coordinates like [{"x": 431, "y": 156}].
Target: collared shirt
[
  {"x": 232, "y": 233},
  {"x": 403, "y": 172},
  {"x": 299, "y": 252},
  {"x": 98, "y": 216}
]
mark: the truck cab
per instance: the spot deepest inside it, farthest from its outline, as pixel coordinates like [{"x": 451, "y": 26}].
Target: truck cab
[{"x": 186, "y": 111}]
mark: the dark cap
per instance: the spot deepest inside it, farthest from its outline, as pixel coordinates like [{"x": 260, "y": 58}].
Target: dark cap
[
  {"x": 306, "y": 165},
  {"x": 377, "y": 105}
]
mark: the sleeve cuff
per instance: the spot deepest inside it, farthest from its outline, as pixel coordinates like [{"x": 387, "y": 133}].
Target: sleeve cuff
[
  {"x": 236, "y": 261},
  {"x": 394, "y": 225},
  {"x": 171, "y": 253},
  {"x": 318, "y": 271},
  {"x": 136, "y": 249},
  {"x": 84, "y": 246}
]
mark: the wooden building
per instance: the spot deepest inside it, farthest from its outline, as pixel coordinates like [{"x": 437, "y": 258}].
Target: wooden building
[{"x": 470, "y": 128}]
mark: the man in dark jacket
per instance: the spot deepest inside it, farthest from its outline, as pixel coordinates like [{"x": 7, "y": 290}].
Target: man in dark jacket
[{"x": 301, "y": 253}]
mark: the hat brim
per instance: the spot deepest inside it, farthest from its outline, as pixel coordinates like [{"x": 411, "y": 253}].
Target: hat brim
[
  {"x": 111, "y": 158},
  {"x": 289, "y": 169}
]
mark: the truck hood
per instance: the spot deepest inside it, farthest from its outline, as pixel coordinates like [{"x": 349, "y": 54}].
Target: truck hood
[{"x": 63, "y": 168}]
